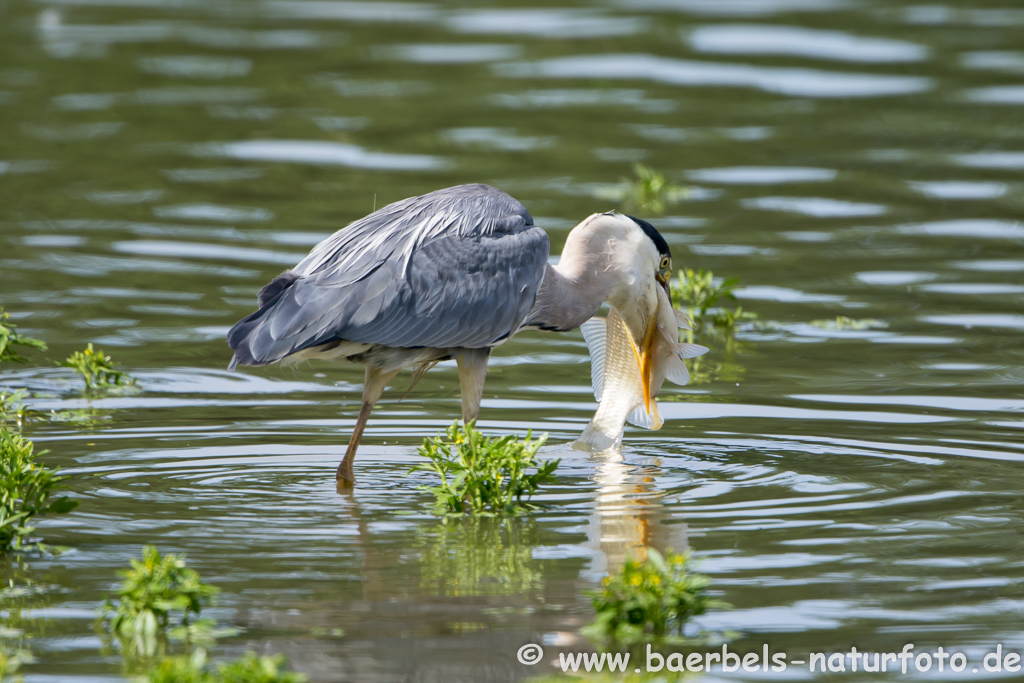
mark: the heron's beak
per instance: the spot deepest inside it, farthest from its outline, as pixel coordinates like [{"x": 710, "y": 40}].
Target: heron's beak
[{"x": 663, "y": 277}]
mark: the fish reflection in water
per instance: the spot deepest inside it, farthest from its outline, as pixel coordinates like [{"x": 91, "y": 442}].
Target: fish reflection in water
[{"x": 628, "y": 516}]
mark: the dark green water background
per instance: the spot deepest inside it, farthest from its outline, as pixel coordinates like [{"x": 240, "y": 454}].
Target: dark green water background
[{"x": 160, "y": 161}]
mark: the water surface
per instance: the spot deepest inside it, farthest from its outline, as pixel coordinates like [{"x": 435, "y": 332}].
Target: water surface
[{"x": 842, "y": 487}]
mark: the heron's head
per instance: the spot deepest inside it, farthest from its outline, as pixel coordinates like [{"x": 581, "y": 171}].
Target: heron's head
[{"x": 631, "y": 261}]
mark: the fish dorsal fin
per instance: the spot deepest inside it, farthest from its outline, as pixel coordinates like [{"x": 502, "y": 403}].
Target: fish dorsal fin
[
  {"x": 595, "y": 334},
  {"x": 641, "y": 418}
]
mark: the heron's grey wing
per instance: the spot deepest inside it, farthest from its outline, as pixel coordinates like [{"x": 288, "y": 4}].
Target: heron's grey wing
[
  {"x": 397, "y": 230},
  {"x": 456, "y": 267},
  {"x": 459, "y": 292}
]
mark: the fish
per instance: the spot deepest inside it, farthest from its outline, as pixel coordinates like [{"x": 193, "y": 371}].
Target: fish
[{"x": 618, "y": 369}]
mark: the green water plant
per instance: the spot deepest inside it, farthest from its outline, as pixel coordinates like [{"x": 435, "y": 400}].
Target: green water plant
[
  {"x": 842, "y": 322},
  {"x": 650, "y": 192},
  {"x": 10, "y": 339},
  {"x": 727, "y": 318},
  {"x": 194, "y": 668},
  {"x": 484, "y": 476},
  {"x": 97, "y": 369},
  {"x": 13, "y": 412},
  {"x": 648, "y": 601},
  {"x": 698, "y": 292},
  {"x": 26, "y": 490},
  {"x": 252, "y": 668},
  {"x": 158, "y": 596},
  {"x": 11, "y": 660}
]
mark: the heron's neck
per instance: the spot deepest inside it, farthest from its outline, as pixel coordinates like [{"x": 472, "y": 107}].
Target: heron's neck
[{"x": 571, "y": 293}]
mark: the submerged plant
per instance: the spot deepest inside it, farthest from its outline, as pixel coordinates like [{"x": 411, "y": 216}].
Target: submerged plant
[
  {"x": 648, "y": 601},
  {"x": 650, "y": 192},
  {"x": 10, "y": 338},
  {"x": 26, "y": 488},
  {"x": 97, "y": 369},
  {"x": 484, "y": 476},
  {"x": 158, "y": 593}
]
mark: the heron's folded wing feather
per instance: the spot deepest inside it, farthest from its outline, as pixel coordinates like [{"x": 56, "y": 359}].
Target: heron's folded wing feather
[{"x": 455, "y": 268}]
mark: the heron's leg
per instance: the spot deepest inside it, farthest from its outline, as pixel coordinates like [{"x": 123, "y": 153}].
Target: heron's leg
[
  {"x": 373, "y": 387},
  {"x": 472, "y": 373}
]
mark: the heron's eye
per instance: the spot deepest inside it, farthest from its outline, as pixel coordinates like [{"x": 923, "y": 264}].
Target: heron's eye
[{"x": 665, "y": 263}]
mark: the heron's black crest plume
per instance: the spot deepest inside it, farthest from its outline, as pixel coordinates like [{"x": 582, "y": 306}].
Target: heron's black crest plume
[{"x": 655, "y": 236}]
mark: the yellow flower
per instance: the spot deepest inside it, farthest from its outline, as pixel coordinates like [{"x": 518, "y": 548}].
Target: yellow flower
[
  {"x": 635, "y": 580},
  {"x": 656, "y": 580}
]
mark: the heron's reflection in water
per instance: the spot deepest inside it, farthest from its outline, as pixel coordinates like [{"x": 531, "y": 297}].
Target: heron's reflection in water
[{"x": 629, "y": 515}]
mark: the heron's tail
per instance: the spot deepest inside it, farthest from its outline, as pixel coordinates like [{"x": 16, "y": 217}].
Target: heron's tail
[{"x": 250, "y": 339}]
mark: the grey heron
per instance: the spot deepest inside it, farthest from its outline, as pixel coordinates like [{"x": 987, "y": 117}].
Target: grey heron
[{"x": 450, "y": 274}]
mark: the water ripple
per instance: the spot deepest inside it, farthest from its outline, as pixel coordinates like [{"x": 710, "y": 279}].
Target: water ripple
[
  {"x": 761, "y": 39},
  {"x": 321, "y": 152},
  {"x": 784, "y": 81}
]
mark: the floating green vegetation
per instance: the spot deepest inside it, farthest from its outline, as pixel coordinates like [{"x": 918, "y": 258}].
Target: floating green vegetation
[
  {"x": 250, "y": 668},
  {"x": 650, "y": 192},
  {"x": 480, "y": 556},
  {"x": 843, "y": 323},
  {"x": 97, "y": 369},
  {"x": 10, "y": 338},
  {"x": 484, "y": 476},
  {"x": 26, "y": 487},
  {"x": 79, "y": 417},
  {"x": 158, "y": 598},
  {"x": 648, "y": 602}
]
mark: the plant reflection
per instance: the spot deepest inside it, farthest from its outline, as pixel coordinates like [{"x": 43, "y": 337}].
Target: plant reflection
[{"x": 479, "y": 556}]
